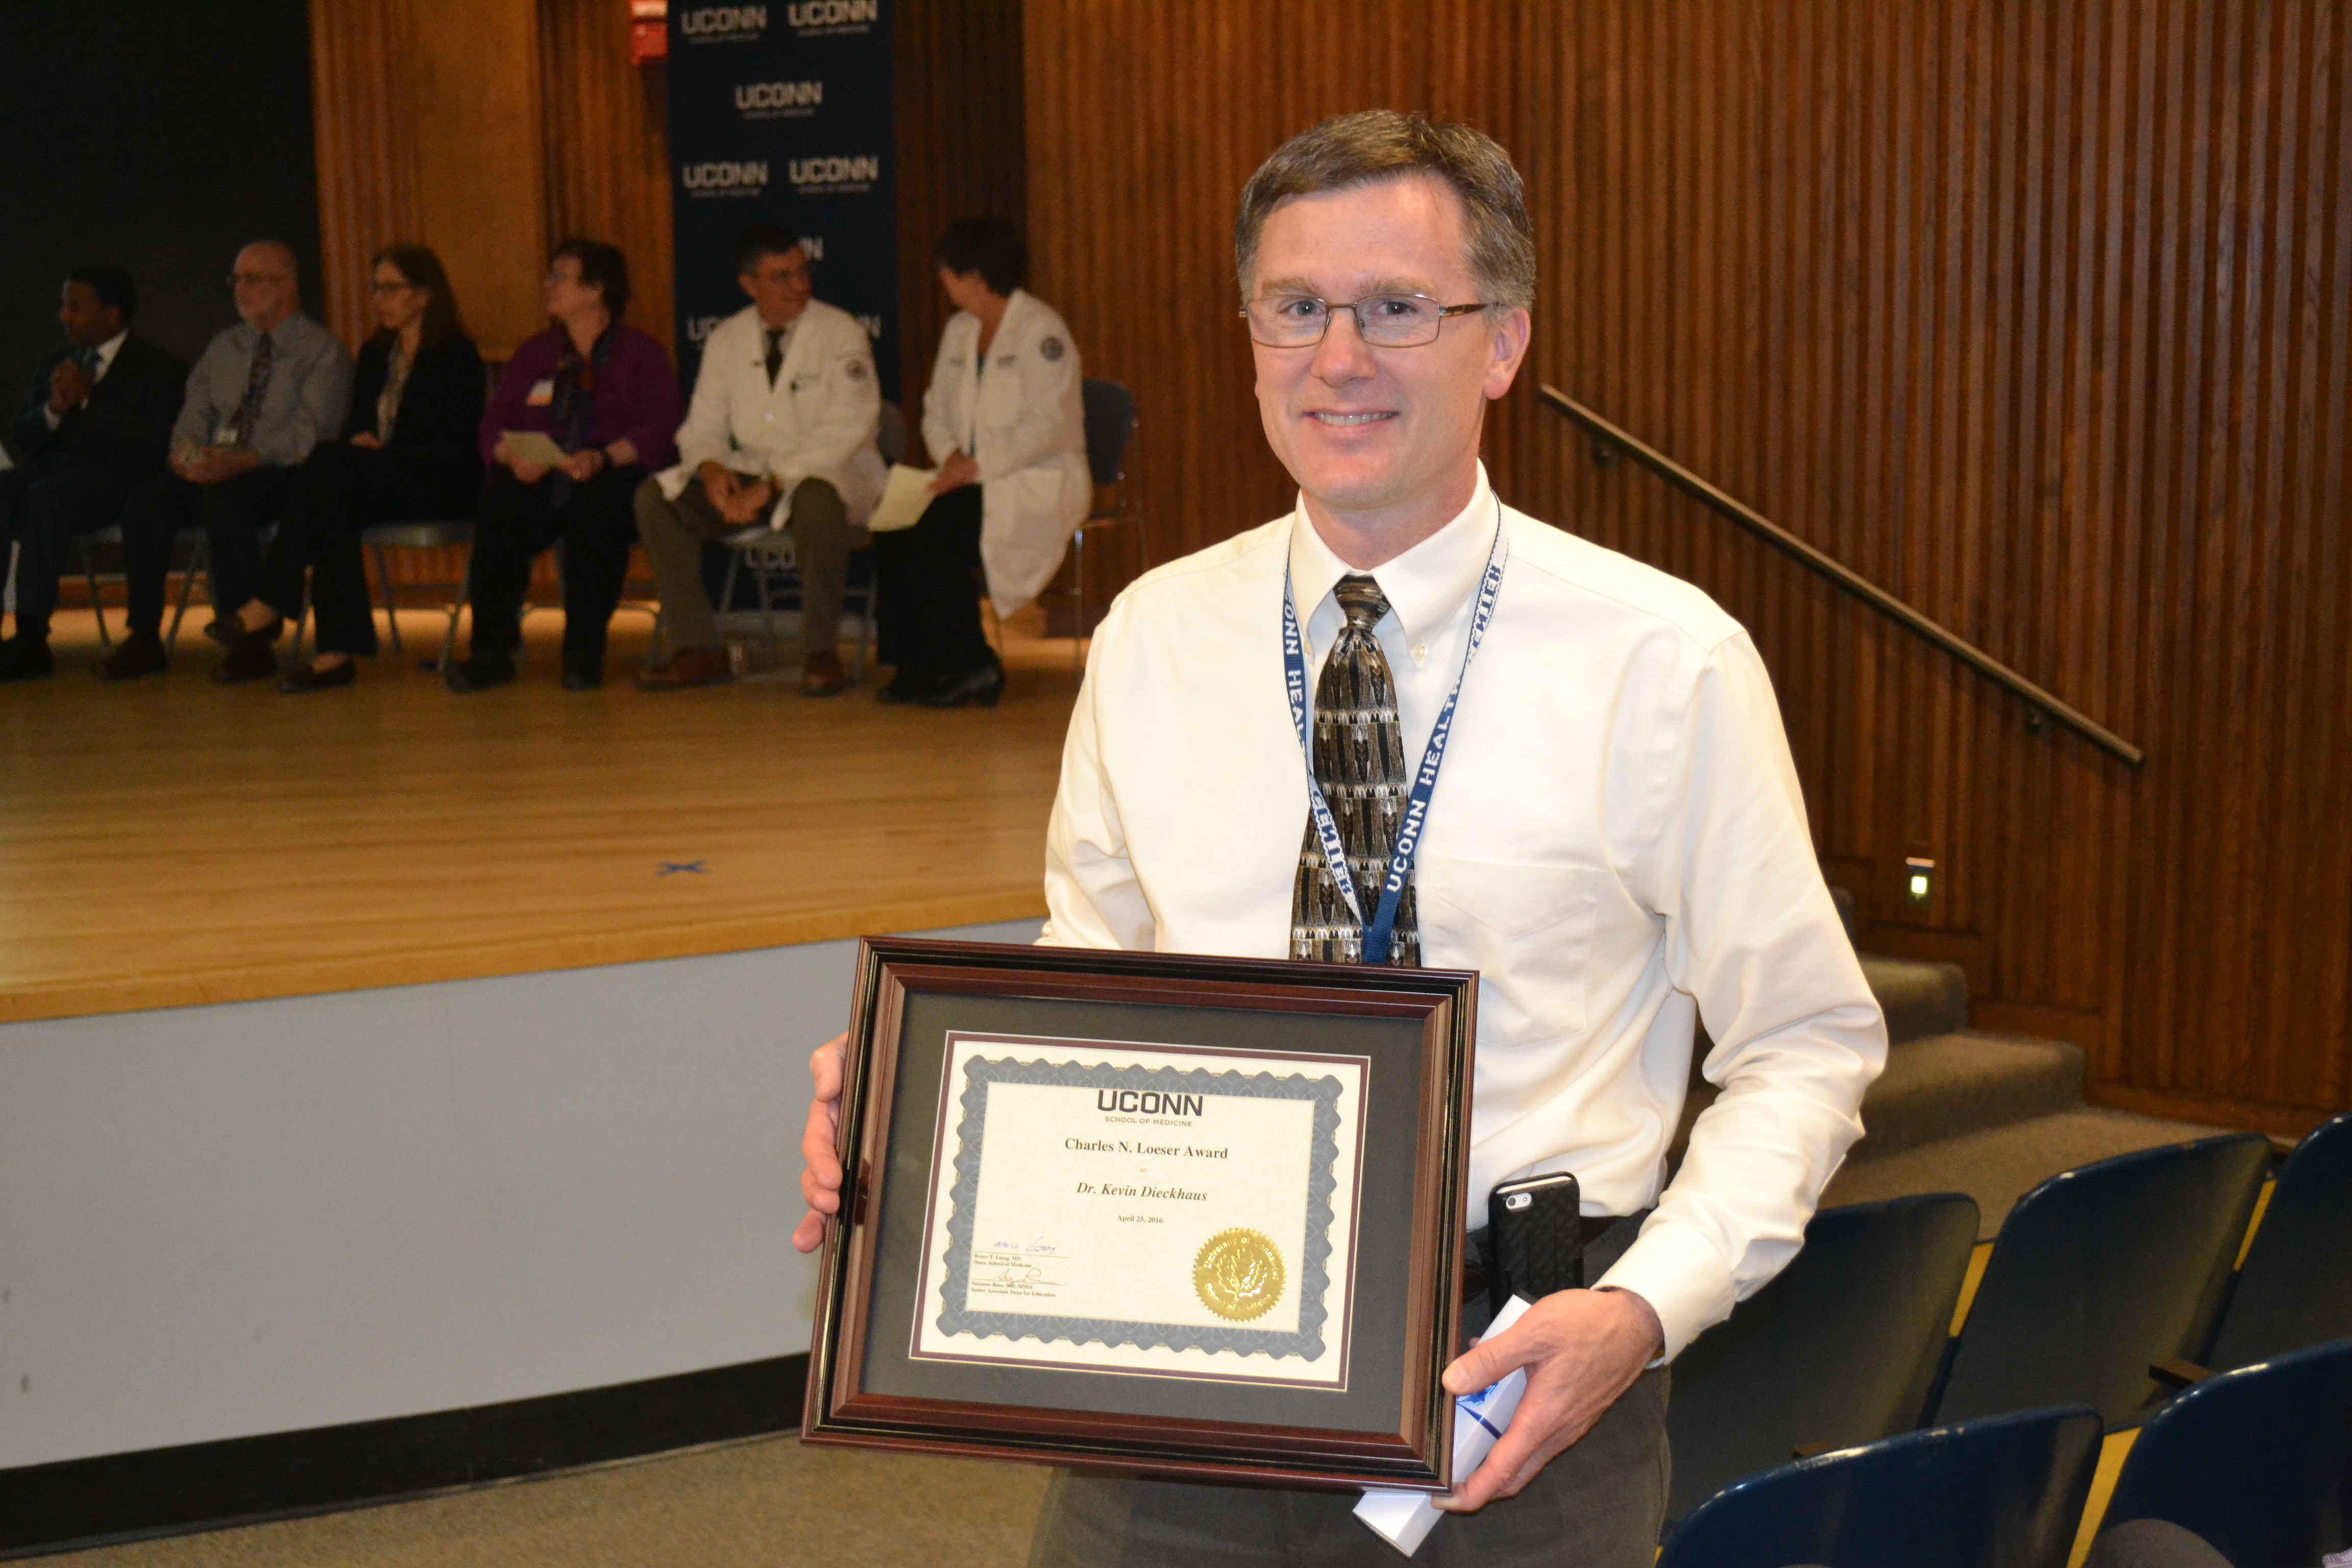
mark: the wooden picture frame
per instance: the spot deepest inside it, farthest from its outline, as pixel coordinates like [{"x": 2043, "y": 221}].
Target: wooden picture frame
[{"x": 1386, "y": 1421}]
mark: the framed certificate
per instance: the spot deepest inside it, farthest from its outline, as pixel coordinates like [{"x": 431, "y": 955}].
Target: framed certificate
[{"x": 1189, "y": 1217}]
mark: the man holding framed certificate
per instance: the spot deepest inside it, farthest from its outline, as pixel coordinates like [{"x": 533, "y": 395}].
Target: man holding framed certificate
[{"x": 1602, "y": 820}]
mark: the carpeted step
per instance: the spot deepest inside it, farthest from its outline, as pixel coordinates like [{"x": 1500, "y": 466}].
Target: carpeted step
[
  {"x": 1999, "y": 1165},
  {"x": 1943, "y": 1087},
  {"x": 1947, "y": 1085},
  {"x": 1919, "y": 999}
]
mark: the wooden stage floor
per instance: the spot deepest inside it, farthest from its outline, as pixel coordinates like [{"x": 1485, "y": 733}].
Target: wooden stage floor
[{"x": 169, "y": 841}]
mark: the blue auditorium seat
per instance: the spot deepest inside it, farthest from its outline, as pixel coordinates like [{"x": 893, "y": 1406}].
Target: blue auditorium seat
[
  {"x": 2257, "y": 1461},
  {"x": 2296, "y": 1286},
  {"x": 2003, "y": 1493},
  {"x": 2099, "y": 1271},
  {"x": 1838, "y": 1349}
]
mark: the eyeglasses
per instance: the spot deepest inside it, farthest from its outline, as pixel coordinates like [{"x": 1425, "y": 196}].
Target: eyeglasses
[
  {"x": 382, "y": 290},
  {"x": 236, "y": 278},
  {"x": 1382, "y": 320}
]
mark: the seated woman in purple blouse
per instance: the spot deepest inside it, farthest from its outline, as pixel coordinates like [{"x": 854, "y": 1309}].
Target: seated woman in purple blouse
[{"x": 604, "y": 394}]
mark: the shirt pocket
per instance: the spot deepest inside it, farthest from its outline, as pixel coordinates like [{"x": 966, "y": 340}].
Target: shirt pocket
[{"x": 1528, "y": 931}]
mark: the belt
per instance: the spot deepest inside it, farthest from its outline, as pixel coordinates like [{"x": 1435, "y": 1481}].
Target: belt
[{"x": 1588, "y": 1230}]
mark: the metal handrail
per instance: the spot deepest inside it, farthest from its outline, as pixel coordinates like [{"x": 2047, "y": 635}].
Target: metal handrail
[{"x": 1608, "y": 439}]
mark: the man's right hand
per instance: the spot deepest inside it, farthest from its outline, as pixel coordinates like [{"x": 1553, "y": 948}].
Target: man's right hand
[
  {"x": 69, "y": 385},
  {"x": 738, "y": 502},
  {"x": 821, "y": 1166}
]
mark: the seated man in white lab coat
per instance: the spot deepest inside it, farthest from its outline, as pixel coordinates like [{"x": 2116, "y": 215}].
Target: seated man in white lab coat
[{"x": 781, "y": 427}]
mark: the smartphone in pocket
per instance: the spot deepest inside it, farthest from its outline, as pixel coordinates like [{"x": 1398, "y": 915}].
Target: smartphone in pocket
[{"x": 1535, "y": 1239}]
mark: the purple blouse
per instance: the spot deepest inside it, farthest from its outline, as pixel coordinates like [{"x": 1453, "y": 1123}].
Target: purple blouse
[{"x": 635, "y": 396}]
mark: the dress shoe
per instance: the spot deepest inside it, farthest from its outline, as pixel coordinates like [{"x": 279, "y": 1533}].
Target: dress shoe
[
  {"x": 907, "y": 684},
  {"x": 823, "y": 676},
  {"x": 250, "y": 658},
  {"x": 481, "y": 672},
  {"x": 138, "y": 654},
  {"x": 309, "y": 677},
  {"x": 25, "y": 658},
  {"x": 688, "y": 666},
  {"x": 227, "y": 629},
  {"x": 583, "y": 677},
  {"x": 979, "y": 687}
]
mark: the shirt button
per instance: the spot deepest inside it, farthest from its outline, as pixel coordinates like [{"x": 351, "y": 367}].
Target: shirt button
[{"x": 1420, "y": 652}]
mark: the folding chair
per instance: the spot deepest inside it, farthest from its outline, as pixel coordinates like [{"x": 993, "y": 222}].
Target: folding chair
[
  {"x": 2295, "y": 1289},
  {"x": 2003, "y": 1493},
  {"x": 199, "y": 560},
  {"x": 1110, "y": 424},
  {"x": 1840, "y": 1348},
  {"x": 2257, "y": 1461},
  {"x": 2099, "y": 1271}
]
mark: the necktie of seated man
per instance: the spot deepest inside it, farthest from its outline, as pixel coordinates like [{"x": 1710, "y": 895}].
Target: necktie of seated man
[
  {"x": 256, "y": 387},
  {"x": 775, "y": 352},
  {"x": 1360, "y": 764}
]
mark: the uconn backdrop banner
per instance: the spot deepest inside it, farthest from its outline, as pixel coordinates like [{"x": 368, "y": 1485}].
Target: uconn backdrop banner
[{"x": 781, "y": 112}]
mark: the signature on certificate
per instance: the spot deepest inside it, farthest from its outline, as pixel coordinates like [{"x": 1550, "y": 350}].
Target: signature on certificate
[{"x": 1034, "y": 1249}]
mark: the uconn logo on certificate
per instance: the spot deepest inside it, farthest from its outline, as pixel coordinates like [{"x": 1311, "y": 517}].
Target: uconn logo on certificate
[
  {"x": 739, "y": 177},
  {"x": 723, "y": 24},
  {"x": 834, "y": 176},
  {"x": 820, "y": 18},
  {"x": 778, "y": 100},
  {"x": 1147, "y": 1103}
]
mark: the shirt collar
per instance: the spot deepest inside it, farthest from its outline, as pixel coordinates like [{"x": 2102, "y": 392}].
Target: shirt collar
[
  {"x": 110, "y": 348},
  {"x": 1424, "y": 586}
]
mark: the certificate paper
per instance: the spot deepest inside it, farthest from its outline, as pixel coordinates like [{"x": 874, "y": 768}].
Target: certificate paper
[
  {"x": 1165, "y": 1211},
  {"x": 904, "y": 498}
]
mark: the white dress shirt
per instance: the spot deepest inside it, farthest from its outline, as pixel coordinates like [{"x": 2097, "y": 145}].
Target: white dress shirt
[
  {"x": 104, "y": 362},
  {"x": 818, "y": 419},
  {"x": 1617, "y": 844}
]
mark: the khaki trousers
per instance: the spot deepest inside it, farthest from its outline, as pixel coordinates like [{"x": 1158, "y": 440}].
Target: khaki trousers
[
  {"x": 674, "y": 532},
  {"x": 1599, "y": 1505}
]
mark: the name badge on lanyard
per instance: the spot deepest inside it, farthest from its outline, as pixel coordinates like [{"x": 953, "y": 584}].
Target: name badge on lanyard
[{"x": 1382, "y": 927}]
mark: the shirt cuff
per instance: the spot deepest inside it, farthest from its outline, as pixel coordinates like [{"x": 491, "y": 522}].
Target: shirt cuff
[
  {"x": 1681, "y": 1276},
  {"x": 52, "y": 416}
]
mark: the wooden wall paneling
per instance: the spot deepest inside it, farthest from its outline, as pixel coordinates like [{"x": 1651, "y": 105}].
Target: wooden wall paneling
[
  {"x": 428, "y": 115},
  {"x": 962, "y": 129},
  {"x": 362, "y": 130},
  {"x": 2041, "y": 316},
  {"x": 607, "y": 150},
  {"x": 481, "y": 181}
]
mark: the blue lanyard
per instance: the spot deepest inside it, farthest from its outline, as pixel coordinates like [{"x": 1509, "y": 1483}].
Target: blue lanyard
[{"x": 1382, "y": 925}]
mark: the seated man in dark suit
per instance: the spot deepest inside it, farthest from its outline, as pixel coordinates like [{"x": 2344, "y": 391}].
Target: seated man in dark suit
[
  {"x": 262, "y": 394},
  {"x": 96, "y": 425}
]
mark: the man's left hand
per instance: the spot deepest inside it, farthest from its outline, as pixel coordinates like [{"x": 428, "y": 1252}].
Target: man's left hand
[
  {"x": 750, "y": 503},
  {"x": 1582, "y": 1350},
  {"x": 213, "y": 465}
]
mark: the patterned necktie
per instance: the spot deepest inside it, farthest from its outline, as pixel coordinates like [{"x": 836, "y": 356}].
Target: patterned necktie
[
  {"x": 257, "y": 387},
  {"x": 776, "y": 351},
  {"x": 1360, "y": 764}
]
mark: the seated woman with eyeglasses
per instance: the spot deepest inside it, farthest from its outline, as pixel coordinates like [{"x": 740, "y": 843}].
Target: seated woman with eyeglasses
[
  {"x": 597, "y": 401},
  {"x": 407, "y": 451}
]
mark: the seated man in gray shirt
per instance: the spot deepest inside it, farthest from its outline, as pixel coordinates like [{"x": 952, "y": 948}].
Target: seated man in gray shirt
[{"x": 265, "y": 393}]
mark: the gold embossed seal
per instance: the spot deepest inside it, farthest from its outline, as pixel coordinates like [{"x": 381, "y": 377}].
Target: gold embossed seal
[{"x": 1238, "y": 1275}]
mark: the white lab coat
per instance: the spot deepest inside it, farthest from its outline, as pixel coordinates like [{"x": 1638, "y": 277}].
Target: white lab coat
[
  {"x": 818, "y": 421},
  {"x": 1025, "y": 423}
]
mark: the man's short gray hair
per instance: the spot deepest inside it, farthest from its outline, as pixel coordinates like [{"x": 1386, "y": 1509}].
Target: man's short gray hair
[{"x": 1353, "y": 149}]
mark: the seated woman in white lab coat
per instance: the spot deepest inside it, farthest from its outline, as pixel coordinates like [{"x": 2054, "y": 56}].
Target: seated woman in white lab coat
[{"x": 1004, "y": 424}]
